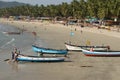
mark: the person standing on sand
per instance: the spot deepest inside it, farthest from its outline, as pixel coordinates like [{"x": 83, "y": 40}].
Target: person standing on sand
[
  {"x": 15, "y": 54},
  {"x": 81, "y": 31}
]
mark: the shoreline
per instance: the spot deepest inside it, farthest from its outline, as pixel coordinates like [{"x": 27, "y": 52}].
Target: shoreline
[
  {"x": 48, "y": 32},
  {"x": 73, "y": 27}
]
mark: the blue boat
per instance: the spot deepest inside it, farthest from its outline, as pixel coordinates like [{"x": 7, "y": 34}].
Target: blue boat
[
  {"x": 49, "y": 51},
  {"x": 39, "y": 59}
]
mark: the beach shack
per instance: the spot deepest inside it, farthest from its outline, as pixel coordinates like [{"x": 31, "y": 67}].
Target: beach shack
[
  {"x": 46, "y": 18},
  {"x": 91, "y": 19},
  {"x": 110, "y": 24},
  {"x": 72, "y": 21},
  {"x": 61, "y": 20}
]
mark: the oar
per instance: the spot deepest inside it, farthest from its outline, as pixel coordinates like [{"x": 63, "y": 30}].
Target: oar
[{"x": 6, "y": 59}]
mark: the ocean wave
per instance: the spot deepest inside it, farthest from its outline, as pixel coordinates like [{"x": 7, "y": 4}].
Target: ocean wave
[{"x": 7, "y": 43}]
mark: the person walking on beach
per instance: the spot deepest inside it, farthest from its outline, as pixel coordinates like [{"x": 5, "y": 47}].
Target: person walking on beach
[{"x": 15, "y": 54}]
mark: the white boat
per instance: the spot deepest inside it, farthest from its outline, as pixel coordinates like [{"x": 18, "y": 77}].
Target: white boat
[{"x": 72, "y": 47}]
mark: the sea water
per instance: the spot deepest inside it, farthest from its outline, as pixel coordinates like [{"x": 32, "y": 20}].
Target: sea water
[
  {"x": 24, "y": 41},
  {"x": 7, "y": 42}
]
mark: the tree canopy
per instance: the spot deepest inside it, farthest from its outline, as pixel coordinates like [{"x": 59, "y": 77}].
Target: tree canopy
[{"x": 77, "y": 9}]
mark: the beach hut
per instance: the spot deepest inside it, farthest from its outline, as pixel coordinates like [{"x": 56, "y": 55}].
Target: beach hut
[{"x": 91, "y": 19}]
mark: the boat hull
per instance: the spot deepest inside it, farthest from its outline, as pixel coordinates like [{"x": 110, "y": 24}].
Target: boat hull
[
  {"x": 12, "y": 33},
  {"x": 48, "y": 51},
  {"x": 39, "y": 59},
  {"x": 101, "y": 54}
]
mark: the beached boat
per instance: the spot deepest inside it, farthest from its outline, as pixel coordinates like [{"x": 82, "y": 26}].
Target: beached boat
[
  {"x": 101, "y": 53},
  {"x": 72, "y": 47},
  {"x": 39, "y": 59},
  {"x": 12, "y": 33},
  {"x": 48, "y": 50}
]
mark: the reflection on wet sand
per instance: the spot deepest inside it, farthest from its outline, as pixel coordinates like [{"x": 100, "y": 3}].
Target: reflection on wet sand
[{"x": 14, "y": 65}]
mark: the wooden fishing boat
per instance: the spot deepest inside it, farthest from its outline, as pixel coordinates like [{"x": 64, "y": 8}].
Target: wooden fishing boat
[
  {"x": 12, "y": 33},
  {"x": 101, "y": 53},
  {"x": 72, "y": 47},
  {"x": 48, "y": 50},
  {"x": 39, "y": 59}
]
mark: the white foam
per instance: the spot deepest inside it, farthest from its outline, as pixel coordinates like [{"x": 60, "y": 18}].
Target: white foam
[{"x": 9, "y": 42}]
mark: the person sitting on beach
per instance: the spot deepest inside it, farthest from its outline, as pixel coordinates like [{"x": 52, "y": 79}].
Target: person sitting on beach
[
  {"x": 15, "y": 54},
  {"x": 91, "y": 49},
  {"x": 108, "y": 48}
]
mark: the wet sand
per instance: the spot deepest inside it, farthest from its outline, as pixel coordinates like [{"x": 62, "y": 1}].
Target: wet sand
[{"x": 78, "y": 66}]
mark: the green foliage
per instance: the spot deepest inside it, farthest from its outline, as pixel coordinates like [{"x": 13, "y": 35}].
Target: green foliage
[{"x": 77, "y": 9}]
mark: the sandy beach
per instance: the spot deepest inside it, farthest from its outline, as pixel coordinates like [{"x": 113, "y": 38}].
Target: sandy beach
[{"x": 77, "y": 66}]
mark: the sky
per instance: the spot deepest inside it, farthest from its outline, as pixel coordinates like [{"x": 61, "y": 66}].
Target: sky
[{"x": 39, "y": 2}]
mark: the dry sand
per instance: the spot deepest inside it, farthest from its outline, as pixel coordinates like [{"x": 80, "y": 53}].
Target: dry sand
[{"x": 78, "y": 66}]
